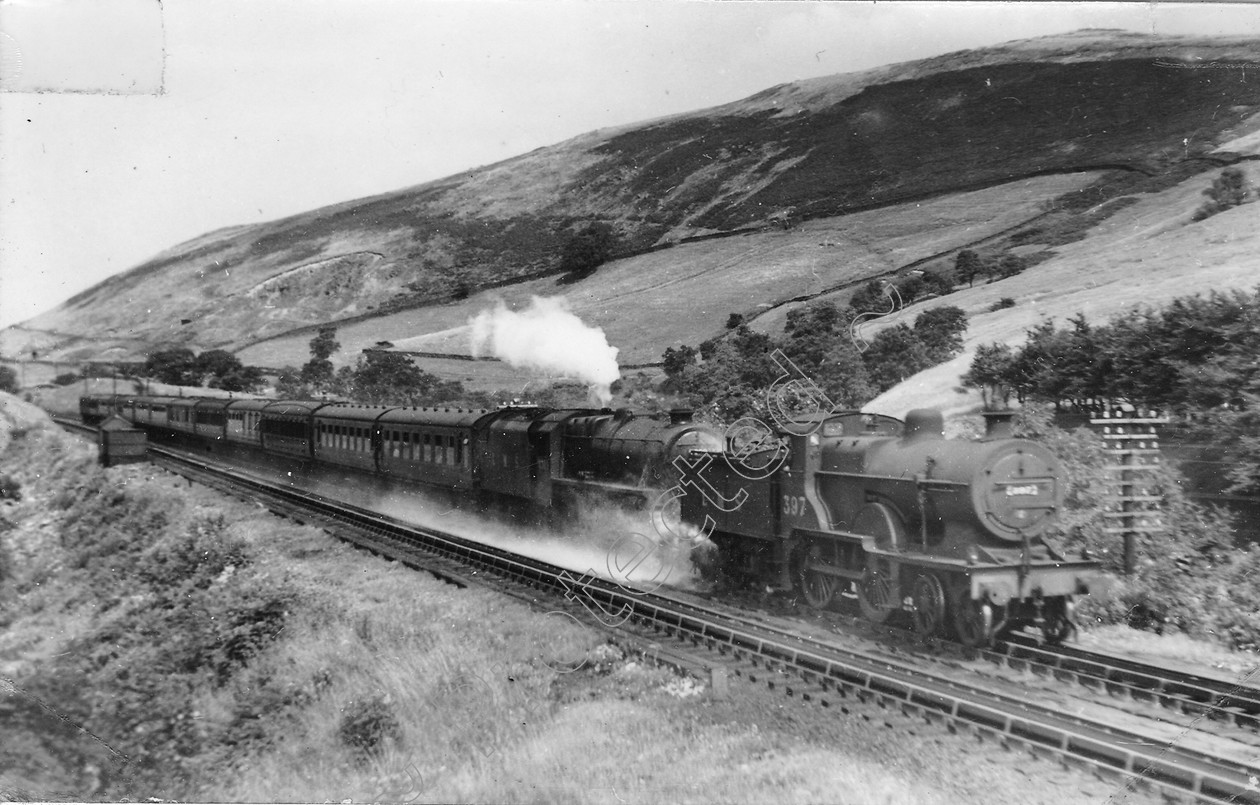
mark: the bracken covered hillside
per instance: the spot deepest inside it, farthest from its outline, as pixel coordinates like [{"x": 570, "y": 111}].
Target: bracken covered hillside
[{"x": 1087, "y": 102}]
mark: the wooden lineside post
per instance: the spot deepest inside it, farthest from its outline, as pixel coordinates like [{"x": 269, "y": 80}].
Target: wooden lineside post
[{"x": 1133, "y": 443}]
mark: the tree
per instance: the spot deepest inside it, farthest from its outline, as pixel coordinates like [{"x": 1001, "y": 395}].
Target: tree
[
  {"x": 937, "y": 282},
  {"x": 818, "y": 342},
  {"x": 8, "y": 380},
  {"x": 675, "y": 361},
  {"x": 1228, "y": 190},
  {"x": 388, "y": 378},
  {"x": 911, "y": 288},
  {"x": 289, "y": 385},
  {"x": 873, "y": 298},
  {"x": 175, "y": 366},
  {"x": 820, "y": 317},
  {"x": 940, "y": 330},
  {"x": 967, "y": 265},
  {"x": 992, "y": 372},
  {"x": 243, "y": 378},
  {"x": 215, "y": 363},
  {"x": 894, "y": 355},
  {"x": 734, "y": 320},
  {"x": 587, "y": 251},
  {"x": 735, "y": 376},
  {"x": 318, "y": 371}
]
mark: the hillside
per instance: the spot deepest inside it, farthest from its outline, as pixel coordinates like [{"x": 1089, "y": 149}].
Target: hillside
[
  {"x": 804, "y": 188},
  {"x": 1145, "y": 255}
]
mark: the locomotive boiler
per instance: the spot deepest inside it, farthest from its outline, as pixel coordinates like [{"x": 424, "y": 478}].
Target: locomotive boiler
[{"x": 951, "y": 532}]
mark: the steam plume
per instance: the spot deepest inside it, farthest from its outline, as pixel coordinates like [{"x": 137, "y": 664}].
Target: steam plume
[{"x": 549, "y": 339}]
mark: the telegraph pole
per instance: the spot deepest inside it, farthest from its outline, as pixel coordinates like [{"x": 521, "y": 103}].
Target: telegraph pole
[{"x": 1133, "y": 445}]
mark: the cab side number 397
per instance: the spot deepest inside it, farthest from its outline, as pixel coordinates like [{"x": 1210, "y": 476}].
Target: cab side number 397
[{"x": 793, "y": 505}]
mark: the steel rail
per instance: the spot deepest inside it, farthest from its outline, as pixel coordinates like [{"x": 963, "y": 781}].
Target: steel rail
[
  {"x": 1235, "y": 703},
  {"x": 1171, "y": 768}
]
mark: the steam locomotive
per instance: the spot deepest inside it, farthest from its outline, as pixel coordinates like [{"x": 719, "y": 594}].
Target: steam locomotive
[{"x": 949, "y": 532}]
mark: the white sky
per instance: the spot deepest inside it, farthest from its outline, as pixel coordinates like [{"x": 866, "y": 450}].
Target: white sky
[{"x": 161, "y": 122}]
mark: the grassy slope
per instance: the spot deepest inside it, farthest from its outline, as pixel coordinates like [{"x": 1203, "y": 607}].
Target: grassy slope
[
  {"x": 1147, "y": 254},
  {"x": 684, "y": 294}
]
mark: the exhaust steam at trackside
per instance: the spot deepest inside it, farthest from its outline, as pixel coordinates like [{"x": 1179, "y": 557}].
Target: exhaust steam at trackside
[{"x": 549, "y": 339}]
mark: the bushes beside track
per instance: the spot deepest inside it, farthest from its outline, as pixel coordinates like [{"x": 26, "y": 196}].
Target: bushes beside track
[
  {"x": 1190, "y": 577},
  {"x": 169, "y": 608}
]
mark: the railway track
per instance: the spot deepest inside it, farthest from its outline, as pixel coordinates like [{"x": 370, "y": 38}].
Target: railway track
[
  {"x": 808, "y": 668},
  {"x": 1233, "y": 703}
]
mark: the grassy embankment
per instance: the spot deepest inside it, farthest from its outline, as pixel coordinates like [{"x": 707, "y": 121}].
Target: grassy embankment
[{"x": 163, "y": 641}]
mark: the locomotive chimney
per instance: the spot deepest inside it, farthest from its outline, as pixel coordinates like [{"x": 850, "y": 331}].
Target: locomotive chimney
[
  {"x": 999, "y": 424},
  {"x": 679, "y": 416},
  {"x": 925, "y": 423}
]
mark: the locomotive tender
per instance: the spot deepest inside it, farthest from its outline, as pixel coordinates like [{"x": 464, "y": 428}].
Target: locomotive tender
[{"x": 950, "y": 531}]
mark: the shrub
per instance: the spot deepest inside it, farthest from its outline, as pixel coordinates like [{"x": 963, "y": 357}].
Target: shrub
[
  {"x": 66, "y": 379},
  {"x": 1009, "y": 266},
  {"x": 587, "y": 250},
  {"x": 367, "y": 724},
  {"x": 1228, "y": 190},
  {"x": 1002, "y": 304}
]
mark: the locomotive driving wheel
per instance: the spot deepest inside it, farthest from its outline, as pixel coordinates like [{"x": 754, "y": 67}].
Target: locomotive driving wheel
[
  {"x": 875, "y": 596},
  {"x": 818, "y": 588},
  {"x": 973, "y": 621},
  {"x": 929, "y": 605}
]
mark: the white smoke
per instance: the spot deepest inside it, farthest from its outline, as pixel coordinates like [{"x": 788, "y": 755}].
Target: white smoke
[{"x": 549, "y": 339}]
